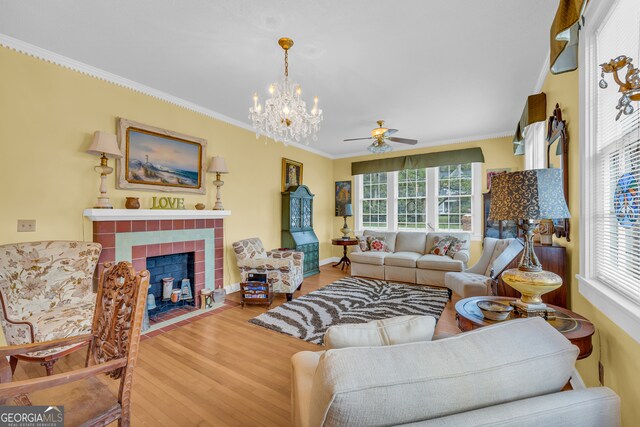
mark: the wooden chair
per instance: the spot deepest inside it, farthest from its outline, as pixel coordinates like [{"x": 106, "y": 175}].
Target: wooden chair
[{"x": 113, "y": 349}]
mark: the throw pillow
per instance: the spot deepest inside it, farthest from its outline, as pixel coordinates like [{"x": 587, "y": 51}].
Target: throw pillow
[
  {"x": 363, "y": 243},
  {"x": 441, "y": 245},
  {"x": 391, "y": 331},
  {"x": 377, "y": 244},
  {"x": 455, "y": 246}
]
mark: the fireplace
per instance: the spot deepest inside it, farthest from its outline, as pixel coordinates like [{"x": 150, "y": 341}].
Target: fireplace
[
  {"x": 169, "y": 274},
  {"x": 139, "y": 236}
]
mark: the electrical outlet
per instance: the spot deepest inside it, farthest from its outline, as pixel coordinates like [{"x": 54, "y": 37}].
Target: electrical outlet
[
  {"x": 601, "y": 373},
  {"x": 26, "y": 225}
]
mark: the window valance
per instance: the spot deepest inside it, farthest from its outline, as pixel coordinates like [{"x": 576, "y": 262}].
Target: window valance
[
  {"x": 564, "y": 35},
  {"x": 418, "y": 161},
  {"x": 535, "y": 110}
]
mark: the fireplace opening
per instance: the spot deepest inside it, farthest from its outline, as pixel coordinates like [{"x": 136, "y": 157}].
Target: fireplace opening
[{"x": 171, "y": 282}]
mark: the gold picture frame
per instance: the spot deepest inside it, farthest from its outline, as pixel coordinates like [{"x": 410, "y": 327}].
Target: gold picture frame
[
  {"x": 291, "y": 173},
  {"x": 158, "y": 159}
]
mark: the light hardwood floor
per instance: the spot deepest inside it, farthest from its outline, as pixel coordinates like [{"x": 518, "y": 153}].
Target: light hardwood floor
[{"x": 221, "y": 370}]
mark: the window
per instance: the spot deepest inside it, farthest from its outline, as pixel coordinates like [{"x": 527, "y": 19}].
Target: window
[
  {"x": 444, "y": 198},
  {"x": 412, "y": 198},
  {"x": 454, "y": 197},
  {"x": 535, "y": 146},
  {"x": 374, "y": 200},
  {"x": 610, "y": 174}
]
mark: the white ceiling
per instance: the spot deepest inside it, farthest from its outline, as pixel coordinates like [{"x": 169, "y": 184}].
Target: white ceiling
[{"x": 447, "y": 70}]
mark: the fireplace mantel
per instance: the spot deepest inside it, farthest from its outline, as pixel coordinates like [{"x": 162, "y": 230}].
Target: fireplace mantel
[{"x": 151, "y": 214}]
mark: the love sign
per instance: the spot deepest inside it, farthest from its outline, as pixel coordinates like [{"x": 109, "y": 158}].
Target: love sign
[{"x": 167, "y": 203}]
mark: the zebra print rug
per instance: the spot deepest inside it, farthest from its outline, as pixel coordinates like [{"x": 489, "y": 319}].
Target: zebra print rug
[{"x": 351, "y": 300}]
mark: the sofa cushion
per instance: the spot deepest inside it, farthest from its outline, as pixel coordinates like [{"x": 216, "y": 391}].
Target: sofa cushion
[
  {"x": 389, "y": 237},
  {"x": 394, "y": 330},
  {"x": 400, "y": 384},
  {"x": 402, "y": 259},
  {"x": 374, "y": 258},
  {"x": 408, "y": 241},
  {"x": 438, "y": 262}
]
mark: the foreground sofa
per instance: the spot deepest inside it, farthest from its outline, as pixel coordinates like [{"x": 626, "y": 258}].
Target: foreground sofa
[
  {"x": 510, "y": 374},
  {"x": 408, "y": 259}
]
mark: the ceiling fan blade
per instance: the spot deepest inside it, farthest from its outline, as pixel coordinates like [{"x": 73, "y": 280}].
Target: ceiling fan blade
[
  {"x": 404, "y": 140},
  {"x": 390, "y": 132},
  {"x": 356, "y": 139}
]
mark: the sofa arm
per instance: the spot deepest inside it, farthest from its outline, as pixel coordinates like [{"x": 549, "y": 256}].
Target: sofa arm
[
  {"x": 463, "y": 256},
  {"x": 268, "y": 263}
]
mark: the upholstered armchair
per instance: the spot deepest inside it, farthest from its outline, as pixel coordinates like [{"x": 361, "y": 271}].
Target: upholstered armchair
[
  {"x": 46, "y": 293},
  {"x": 476, "y": 281},
  {"x": 282, "y": 267}
]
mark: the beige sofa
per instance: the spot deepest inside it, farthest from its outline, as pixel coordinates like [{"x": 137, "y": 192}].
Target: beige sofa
[
  {"x": 409, "y": 259},
  {"x": 510, "y": 374}
]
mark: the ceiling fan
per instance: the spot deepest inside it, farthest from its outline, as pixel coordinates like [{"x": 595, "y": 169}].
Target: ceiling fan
[{"x": 380, "y": 136}]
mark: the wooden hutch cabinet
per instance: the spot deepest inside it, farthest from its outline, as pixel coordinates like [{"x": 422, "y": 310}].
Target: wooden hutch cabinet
[{"x": 297, "y": 226}]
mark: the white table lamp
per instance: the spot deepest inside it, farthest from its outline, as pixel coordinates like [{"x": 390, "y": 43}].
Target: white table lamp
[
  {"x": 218, "y": 166},
  {"x": 105, "y": 145}
]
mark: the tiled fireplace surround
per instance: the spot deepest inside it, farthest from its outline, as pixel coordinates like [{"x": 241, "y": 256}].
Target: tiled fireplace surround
[{"x": 126, "y": 239}]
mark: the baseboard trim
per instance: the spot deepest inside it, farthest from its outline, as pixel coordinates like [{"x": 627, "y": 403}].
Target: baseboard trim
[
  {"x": 231, "y": 288},
  {"x": 326, "y": 261}
]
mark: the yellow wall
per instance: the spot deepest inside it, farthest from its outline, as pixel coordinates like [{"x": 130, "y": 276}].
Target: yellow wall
[
  {"x": 498, "y": 153},
  {"x": 47, "y": 117},
  {"x": 620, "y": 353}
]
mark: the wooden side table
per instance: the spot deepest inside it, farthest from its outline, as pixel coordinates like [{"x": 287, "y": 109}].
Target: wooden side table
[
  {"x": 574, "y": 327},
  {"x": 344, "y": 261}
]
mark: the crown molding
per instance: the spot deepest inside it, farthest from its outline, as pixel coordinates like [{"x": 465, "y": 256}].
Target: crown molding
[
  {"x": 80, "y": 67},
  {"x": 471, "y": 138},
  {"x": 544, "y": 72}
]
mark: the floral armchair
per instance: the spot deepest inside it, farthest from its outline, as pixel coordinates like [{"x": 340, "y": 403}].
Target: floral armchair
[
  {"x": 46, "y": 294},
  {"x": 282, "y": 267}
]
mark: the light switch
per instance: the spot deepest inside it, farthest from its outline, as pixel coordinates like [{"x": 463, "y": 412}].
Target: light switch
[{"x": 26, "y": 225}]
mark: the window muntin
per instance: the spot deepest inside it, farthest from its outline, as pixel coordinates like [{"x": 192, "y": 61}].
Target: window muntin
[
  {"x": 374, "y": 200},
  {"x": 412, "y": 199},
  {"x": 455, "y": 192}
]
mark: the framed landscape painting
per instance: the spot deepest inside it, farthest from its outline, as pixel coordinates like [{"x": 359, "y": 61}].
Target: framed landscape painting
[
  {"x": 343, "y": 196},
  {"x": 291, "y": 173},
  {"x": 160, "y": 160}
]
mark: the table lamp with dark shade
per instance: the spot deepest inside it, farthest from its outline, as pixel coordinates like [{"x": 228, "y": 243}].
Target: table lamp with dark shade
[
  {"x": 529, "y": 196},
  {"x": 346, "y": 212}
]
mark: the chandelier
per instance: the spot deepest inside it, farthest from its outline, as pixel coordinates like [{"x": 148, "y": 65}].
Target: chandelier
[
  {"x": 630, "y": 88},
  {"x": 284, "y": 116}
]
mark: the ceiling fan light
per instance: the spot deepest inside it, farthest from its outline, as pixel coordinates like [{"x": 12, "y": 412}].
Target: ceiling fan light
[
  {"x": 379, "y": 148},
  {"x": 378, "y": 132}
]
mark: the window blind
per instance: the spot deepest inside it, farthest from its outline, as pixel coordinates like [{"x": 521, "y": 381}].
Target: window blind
[{"x": 617, "y": 161}]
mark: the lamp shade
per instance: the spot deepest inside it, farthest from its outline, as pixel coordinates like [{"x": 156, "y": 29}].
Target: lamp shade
[
  {"x": 530, "y": 194},
  {"x": 217, "y": 164},
  {"x": 104, "y": 143},
  {"x": 348, "y": 210}
]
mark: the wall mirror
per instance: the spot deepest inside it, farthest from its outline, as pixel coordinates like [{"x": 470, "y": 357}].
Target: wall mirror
[{"x": 557, "y": 157}]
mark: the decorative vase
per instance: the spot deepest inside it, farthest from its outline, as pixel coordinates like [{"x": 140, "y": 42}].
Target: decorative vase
[
  {"x": 175, "y": 296},
  {"x": 546, "y": 232},
  {"x": 200, "y": 206},
  {"x": 132, "y": 203},
  {"x": 219, "y": 295},
  {"x": 167, "y": 287},
  {"x": 151, "y": 302}
]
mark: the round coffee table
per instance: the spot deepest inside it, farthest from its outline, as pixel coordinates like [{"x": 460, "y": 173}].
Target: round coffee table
[
  {"x": 344, "y": 261},
  {"x": 574, "y": 327}
]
